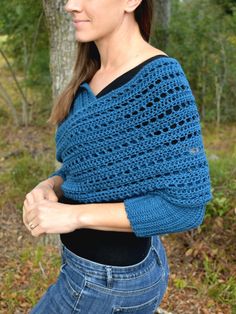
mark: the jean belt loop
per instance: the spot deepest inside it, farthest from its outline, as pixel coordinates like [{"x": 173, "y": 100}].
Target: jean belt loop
[
  {"x": 109, "y": 276},
  {"x": 156, "y": 243}
]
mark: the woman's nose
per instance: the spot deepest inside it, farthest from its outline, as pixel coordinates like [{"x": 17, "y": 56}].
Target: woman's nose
[{"x": 72, "y": 5}]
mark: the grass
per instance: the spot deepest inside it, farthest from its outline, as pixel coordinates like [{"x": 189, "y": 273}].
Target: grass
[
  {"x": 26, "y": 279},
  {"x": 218, "y": 287},
  {"x": 218, "y": 282},
  {"x": 221, "y": 153},
  {"x": 24, "y": 173},
  {"x": 223, "y": 180}
]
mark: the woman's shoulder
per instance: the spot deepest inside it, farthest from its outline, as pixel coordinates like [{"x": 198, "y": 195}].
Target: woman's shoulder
[
  {"x": 169, "y": 64},
  {"x": 152, "y": 51}
]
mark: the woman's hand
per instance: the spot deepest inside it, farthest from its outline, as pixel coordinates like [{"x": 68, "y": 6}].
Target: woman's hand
[
  {"x": 44, "y": 190},
  {"x": 48, "y": 216}
]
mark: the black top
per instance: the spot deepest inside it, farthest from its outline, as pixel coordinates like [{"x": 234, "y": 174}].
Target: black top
[
  {"x": 109, "y": 247},
  {"x": 124, "y": 78}
]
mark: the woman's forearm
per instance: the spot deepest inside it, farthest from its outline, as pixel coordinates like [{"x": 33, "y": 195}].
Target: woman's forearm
[
  {"x": 145, "y": 216},
  {"x": 103, "y": 216}
]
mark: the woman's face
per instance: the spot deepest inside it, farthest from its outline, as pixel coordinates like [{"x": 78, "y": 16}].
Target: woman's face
[{"x": 101, "y": 17}]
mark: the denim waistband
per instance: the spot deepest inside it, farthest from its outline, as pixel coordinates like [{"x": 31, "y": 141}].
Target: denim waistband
[{"x": 101, "y": 270}]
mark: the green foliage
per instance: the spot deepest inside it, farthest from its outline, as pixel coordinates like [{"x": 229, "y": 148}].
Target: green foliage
[
  {"x": 202, "y": 37},
  {"x": 211, "y": 277},
  {"x": 228, "y": 5},
  {"x": 27, "y": 172},
  {"x": 218, "y": 206},
  {"x": 26, "y": 279},
  {"x": 3, "y": 116},
  {"x": 223, "y": 290},
  {"x": 24, "y": 40},
  {"x": 222, "y": 172},
  {"x": 180, "y": 283},
  {"x": 24, "y": 173}
]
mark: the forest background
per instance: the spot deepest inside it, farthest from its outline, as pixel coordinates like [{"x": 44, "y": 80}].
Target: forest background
[{"x": 201, "y": 34}]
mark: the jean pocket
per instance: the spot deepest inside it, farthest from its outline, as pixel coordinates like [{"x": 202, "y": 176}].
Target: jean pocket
[
  {"x": 73, "y": 281},
  {"x": 147, "y": 307}
]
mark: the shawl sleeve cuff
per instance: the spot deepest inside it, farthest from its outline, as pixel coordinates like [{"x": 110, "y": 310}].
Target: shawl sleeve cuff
[{"x": 151, "y": 215}]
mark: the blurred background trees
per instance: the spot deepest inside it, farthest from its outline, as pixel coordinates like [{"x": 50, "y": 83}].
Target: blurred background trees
[
  {"x": 201, "y": 34},
  {"x": 24, "y": 42}
]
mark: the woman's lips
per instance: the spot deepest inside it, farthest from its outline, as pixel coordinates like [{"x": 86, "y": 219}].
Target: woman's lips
[{"x": 78, "y": 23}]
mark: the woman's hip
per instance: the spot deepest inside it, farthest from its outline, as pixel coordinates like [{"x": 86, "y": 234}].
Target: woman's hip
[
  {"x": 84, "y": 286},
  {"x": 137, "y": 288}
]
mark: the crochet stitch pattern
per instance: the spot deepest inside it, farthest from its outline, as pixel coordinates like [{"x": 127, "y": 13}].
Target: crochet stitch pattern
[{"x": 142, "y": 144}]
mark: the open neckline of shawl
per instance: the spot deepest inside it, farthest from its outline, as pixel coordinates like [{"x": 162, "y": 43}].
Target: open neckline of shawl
[
  {"x": 85, "y": 84},
  {"x": 103, "y": 102},
  {"x": 126, "y": 73}
]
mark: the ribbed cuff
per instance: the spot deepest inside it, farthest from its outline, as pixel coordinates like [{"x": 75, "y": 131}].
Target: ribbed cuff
[{"x": 151, "y": 215}]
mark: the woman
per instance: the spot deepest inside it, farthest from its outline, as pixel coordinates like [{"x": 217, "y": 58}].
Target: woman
[{"x": 133, "y": 165}]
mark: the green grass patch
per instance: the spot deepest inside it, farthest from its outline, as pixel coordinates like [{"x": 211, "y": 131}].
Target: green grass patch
[
  {"x": 25, "y": 280},
  {"x": 220, "y": 148},
  {"x": 218, "y": 287},
  {"x": 24, "y": 173}
]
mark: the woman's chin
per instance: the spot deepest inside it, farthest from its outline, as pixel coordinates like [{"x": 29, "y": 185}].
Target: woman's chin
[{"x": 80, "y": 38}]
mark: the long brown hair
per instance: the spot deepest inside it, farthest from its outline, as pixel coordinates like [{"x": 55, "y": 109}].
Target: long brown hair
[{"x": 88, "y": 62}]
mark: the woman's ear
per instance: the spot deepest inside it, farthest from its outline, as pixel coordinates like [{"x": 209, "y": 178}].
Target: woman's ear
[{"x": 131, "y": 5}]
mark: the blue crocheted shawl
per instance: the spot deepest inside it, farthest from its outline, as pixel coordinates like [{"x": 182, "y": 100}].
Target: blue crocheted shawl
[{"x": 143, "y": 137}]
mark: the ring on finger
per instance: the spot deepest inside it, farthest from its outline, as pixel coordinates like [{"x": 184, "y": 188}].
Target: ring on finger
[{"x": 32, "y": 226}]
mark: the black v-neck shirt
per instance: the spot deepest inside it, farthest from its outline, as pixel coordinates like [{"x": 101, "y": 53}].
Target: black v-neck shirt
[
  {"x": 124, "y": 78},
  {"x": 109, "y": 247}
]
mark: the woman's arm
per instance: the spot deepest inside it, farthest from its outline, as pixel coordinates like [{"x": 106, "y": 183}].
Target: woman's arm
[
  {"x": 103, "y": 216},
  {"x": 155, "y": 217},
  {"x": 145, "y": 216}
]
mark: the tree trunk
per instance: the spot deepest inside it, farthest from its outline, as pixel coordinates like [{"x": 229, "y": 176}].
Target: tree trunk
[
  {"x": 161, "y": 18},
  {"x": 202, "y": 84},
  {"x": 24, "y": 101},
  {"x": 62, "y": 43},
  {"x": 220, "y": 79},
  {"x": 6, "y": 97},
  {"x": 62, "y": 55}
]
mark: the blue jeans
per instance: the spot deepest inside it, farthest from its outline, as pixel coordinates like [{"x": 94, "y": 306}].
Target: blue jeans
[{"x": 87, "y": 287}]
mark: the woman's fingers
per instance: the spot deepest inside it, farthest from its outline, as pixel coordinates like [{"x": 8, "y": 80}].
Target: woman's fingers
[
  {"x": 31, "y": 216},
  {"x": 24, "y": 215},
  {"x": 40, "y": 193},
  {"x": 29, "y": 197},
  {"x": 36, "y": 196},
  {"x": 26, "y": 209},
  {"x": 25, "y": 220},
  {"x": 32, "y": 223},
  {"x": 52, "y": 196}
]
